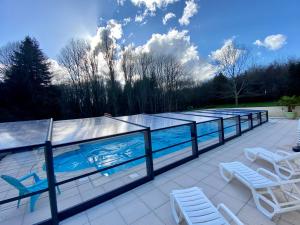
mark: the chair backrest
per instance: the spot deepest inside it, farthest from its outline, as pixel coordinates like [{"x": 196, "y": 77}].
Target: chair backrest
[
  {"x": 15, "y": 182},
  {"x": 250, "y": 177}
]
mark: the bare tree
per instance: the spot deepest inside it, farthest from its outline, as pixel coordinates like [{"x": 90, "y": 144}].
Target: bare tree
[
  {"x": 171, "y": 78},
  {"x": 128, "y": 67},
  {"x": 232, "y": 60},
  {"x": 160, "y": 79},
  {"x": 107, "y": 46},
  {"x": 6, "y": 55},
  {"x": 81, "y": 63},
  {"x": 143, "y": 65}
]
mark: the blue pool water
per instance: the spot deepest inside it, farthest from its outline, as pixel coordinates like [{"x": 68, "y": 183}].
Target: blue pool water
[{"x": 105, "y": 153}]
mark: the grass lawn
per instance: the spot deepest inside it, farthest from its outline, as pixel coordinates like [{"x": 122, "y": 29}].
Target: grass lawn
[{"x": 250, "y": 104}]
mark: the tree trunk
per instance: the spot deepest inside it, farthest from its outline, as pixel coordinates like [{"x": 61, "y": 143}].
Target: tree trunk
[{"x": 236, "y": 99}]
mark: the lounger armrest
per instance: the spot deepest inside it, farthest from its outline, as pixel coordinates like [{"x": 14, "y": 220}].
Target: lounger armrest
[
  {"x": 288, "y": 156},
  {"x": 268, "y": 174},
  {"x": 28, "y": 176},
  {"x": 282, "y": 153},
  {"x": 230, "y": 214}
]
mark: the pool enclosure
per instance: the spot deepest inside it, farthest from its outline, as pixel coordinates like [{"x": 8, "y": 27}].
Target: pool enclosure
[
  {"x": 245, "y": 117},
  {"x": 51, "y": 170},
  {"x": 57, "y": 169},
  {"x": 258, "y": 116},
  {"x": 173, "y": 141},
  {"x": 209, "y": 130},
  {"x": 22, "y": 148},
  {"x": 231, "y": 123}
]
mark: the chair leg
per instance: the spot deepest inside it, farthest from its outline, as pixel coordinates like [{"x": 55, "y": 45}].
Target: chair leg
[
  {"x": 283, "y": 173},
  {"x": 173, "y": 208},
  {"x": 252, "y": 157},
  {"x": 258, "y": 202},
  {"x": 58, "y": 190},
  {"x": 227, "y": 176},
  {"x": 33, "y": 200},
  {"x": 19, "y": 202}
]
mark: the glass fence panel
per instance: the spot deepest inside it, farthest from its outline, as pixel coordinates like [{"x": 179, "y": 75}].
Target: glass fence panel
[
  {"x": 163, "y": 141},
  {"x": 230, "y": 127},
  {"x": 255, "y": 119},
  {"x": 171, "y": 136},
  {"x": 22, "y": 174},
  {"x": 245, "y": 123},
  {"x": 95, "y": 185},
  {"x": 264, "y": 117},
  {"x": 208, "y": 134},
  {"x": 171, "y": 155},
  {"x": 75, "y": 160},
  {"x": 91, "y": 169}
]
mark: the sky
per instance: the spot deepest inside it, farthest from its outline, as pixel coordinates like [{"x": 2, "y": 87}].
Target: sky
[{"x": 194, "y": 29}]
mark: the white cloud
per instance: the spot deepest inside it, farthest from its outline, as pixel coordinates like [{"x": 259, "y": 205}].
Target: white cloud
[
  {"x": 59, "y": 73},
  {"x": 126, "y": 21},
  {"x": 115, "y": 32},
  {"x": 223, "y": 53},
  {"x": 121, "y": 2},
  {"x": 152, "y": 5},
  {"x": 272, "y": 42},
  {"x": 167, "y": 17},
  {"x": 139, "y": 18},
  {"x": 191, "y": 8},
  {"x": 115, "y": 29},
  {"x": 178, "y": 44}
]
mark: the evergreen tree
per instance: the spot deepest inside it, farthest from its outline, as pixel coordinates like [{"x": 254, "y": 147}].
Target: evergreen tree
[{"x": 28, "y": 80}]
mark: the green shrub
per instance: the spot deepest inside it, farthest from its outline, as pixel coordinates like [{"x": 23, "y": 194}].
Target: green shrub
[{"x": 289, "y": 101}]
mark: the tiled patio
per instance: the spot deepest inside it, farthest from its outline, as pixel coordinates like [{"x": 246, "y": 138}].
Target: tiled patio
[{"x": 149, "y": 203}]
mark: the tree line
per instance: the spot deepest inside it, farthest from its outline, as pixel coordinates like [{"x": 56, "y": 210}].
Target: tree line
[{"x": 127, "y": 81}]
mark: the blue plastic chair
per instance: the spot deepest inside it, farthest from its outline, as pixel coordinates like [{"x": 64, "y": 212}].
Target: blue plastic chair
[{"x": 39, "y": 184}]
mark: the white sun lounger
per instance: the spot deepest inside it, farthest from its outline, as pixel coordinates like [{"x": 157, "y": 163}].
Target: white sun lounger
[
  {"x": 286, "y": 165},
  {"x": 271, "y": 195},
  {"x": 195, "y": 208}
]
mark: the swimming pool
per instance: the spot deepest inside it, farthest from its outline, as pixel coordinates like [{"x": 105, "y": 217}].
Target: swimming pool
[{"x": 105, "y": 153}]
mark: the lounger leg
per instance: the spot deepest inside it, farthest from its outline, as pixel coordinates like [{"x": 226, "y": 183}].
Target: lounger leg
[
  {"x": 227, "y": 176},
  {"x": 252, "y": 157},
  {"x": 33, "y": 200},
  {"x": 173, "y": 208},
  {"x": 283, "y": 173},
  {"x": 260, "y": 207}
]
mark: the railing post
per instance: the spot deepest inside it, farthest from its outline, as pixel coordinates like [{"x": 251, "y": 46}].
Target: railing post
[
  {"x": 221, "y": 127},
  {"x": 239, "y": 127},
  {"x": 51, "y": 182},
  {"x": 260, "y": 118},
  {"x": 250, "y": 120},
  {"x": 194, "y": 139},
  {"x": 148, "y": 151},
  {"x": 51, "y": 175}
]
